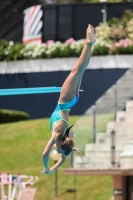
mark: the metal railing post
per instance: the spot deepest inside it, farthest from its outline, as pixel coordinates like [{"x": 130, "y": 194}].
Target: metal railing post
[
  {"x": 113, "y": 148},
  {"x": 71, "y": 155},
  {"x": 115, "y": 101},
  {"x": 94, "y": 123},
  {"x": 56, "y": 182}
]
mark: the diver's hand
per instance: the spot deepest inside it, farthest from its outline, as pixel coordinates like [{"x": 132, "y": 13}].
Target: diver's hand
[
  {"x": 48, "y": 171},
  {"x": 90, "y": 37}
]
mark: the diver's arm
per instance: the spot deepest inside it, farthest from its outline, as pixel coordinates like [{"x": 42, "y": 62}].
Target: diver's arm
[
  {"x": 58, "y": 163},
  {"x": 45, "y": 155},
  {"x": 55, "y": 167}
]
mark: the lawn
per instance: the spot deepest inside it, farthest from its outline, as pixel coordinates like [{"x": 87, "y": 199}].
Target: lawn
[{"x": 21, "y": 146}]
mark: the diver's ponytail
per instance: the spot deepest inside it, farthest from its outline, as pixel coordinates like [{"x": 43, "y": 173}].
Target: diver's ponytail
[
  {"x": 74, "y": 149},
  {"x": 67, "y": 133},
  {"x": 67, "y": 143}
]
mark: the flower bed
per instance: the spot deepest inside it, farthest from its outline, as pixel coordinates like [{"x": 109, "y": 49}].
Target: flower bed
[
  {"x": 60, "y": 50},
  {"x": 114, "y": 37},
  {"x": 10, "y": 51}
]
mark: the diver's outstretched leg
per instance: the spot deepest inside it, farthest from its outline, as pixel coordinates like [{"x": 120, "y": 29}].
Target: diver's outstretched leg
[{"x": 73, "y": 81}]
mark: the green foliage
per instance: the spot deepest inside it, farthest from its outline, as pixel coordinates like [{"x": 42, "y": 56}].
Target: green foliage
[
  {"x": 100, "y": 50},
  {"x": 3, "y": 44},
  {"x": 116, "y": 36},
  {"x": 13, "y": 52},
  {"x": 116, "y": 29},
  {"x": 122, "y": 47},
  {"x": 114, "y": 22},
  {"x": 107, "y": 33},
  {"x": 31, "y": 51},
  {"x": 127, "y": 16},
  {"x": 117, "y": 33},
  {"x": 12, "y": 116},
  {"x": 122, "y": 51}
]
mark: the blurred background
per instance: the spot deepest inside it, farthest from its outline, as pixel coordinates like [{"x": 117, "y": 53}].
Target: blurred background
[{"x": 40, "y": 42}]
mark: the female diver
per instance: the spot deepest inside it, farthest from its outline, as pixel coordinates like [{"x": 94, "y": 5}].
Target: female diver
[{"x": 69, "y": 95}]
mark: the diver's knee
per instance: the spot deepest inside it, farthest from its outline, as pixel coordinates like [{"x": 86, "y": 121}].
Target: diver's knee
[{"x": 76, "y": 71}]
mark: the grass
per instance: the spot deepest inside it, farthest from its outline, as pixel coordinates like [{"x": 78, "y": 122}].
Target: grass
[{"x": 21, "y": 146}]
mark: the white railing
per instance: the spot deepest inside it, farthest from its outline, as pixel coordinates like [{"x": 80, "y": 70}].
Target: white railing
[{"x": 11, "y": 185}]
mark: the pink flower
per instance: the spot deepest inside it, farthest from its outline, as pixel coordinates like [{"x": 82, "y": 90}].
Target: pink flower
[
  {"x": 112, "y": 46},
  {"x": 50, "y": 42},
  {"x": 125, "y": 42},
  {"x": 117, "y": 44},
  {"x": 121, "y": 43},
  {"x": 69, "y": 41}
]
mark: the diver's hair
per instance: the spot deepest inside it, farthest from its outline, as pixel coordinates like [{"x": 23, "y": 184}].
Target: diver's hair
[
  {"x": 74, "y": 149},
  {"x": 67, "y": 133},
  {"x": 67, "y": 143}
]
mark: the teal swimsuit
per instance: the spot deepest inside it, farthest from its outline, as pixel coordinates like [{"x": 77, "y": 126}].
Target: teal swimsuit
[{"x": 56, "y": 116}]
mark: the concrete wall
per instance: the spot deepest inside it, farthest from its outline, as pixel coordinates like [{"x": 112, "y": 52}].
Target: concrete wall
[
  {"x": 95, "y": 83},
  {"x": 101, "y": 74}
]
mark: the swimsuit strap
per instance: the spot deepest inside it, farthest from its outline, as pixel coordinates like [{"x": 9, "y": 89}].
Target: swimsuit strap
[
  {"x": 63, "y": 133},
  {"x": 67, "y": 122}
]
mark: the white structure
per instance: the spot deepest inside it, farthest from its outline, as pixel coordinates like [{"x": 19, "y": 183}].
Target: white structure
[
  {"x": 64, "y": 64},
  {"x": 16, "y": 185},
  {"x": 99, "y": 156}
]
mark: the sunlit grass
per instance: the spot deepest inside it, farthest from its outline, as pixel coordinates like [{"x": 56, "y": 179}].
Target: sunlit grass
[{"x": 21, "y": 146}]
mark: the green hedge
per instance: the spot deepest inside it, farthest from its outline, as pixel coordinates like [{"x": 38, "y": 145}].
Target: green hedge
[{"x": 12, "y": 116}]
